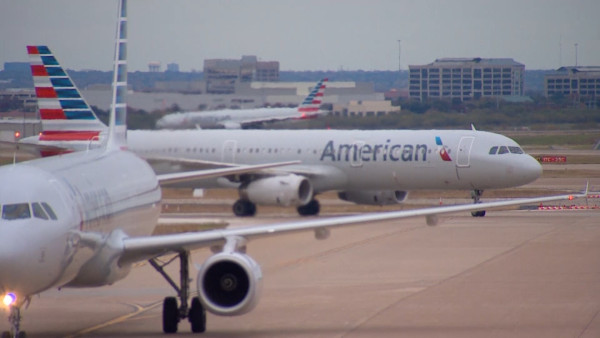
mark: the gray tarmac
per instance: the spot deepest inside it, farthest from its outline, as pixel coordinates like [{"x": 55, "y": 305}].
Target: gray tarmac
[{"x": 518, "y": 273}]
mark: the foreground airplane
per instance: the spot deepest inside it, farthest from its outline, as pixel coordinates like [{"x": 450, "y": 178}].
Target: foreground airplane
[
  {"x": 364, "y": 167},
  {"x": 83, "y": 219},
  {"x": 243, "y": 118}
]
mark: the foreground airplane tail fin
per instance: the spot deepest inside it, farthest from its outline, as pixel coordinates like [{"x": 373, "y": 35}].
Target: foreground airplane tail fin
[
  {"x": 312, "y": 103},
  {"x": 65, "y": 114},
  {"x": 117, "y": 131}
]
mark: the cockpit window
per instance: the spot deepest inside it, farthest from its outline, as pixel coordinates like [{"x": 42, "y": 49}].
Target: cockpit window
[
  {"x": 493, "y": 150},
  {"x": 38, "y": 212},
  {"x": 515, "y": 150},
  {"x": 16, "y": 211},
  {"x": 503, "y": 150},
  {"x": 49, "y": 211}
]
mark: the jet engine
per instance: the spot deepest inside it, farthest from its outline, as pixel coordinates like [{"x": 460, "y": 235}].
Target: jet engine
[
  {"x": 374, "y": 197},
  {"x": 229, "y": 283},
  {"x": 288, "y": 190}
]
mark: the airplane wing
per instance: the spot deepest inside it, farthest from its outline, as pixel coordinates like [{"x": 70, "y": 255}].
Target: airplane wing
[
  {"x": 219, "y": 172},
  {"x": 142, "y": 248},
  {"x": 178, "y": 164}
]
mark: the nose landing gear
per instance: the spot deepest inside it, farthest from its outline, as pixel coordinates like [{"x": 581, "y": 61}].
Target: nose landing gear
[
  {"x": 14, "y": 319},
  {"x": 476, "y": 196}
]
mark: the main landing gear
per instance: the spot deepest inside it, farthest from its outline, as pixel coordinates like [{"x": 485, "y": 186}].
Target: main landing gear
[
  {"x": 311, "y": 208},
  {"x": 476, "y": 196},
  {"x": 244, "y": 208},
  {"x": 15, "y": 322},
  {"x": 172, "y": 313}
]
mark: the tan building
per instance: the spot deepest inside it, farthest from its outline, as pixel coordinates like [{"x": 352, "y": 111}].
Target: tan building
[
  {"x": 578, "y": 83},
  {"x": 221, "y": 75},
  {"x": 466, "y": 79},
  {"x": 365, "y": 108}
]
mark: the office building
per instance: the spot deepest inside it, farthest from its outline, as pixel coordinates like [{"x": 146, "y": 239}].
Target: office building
[
  {"x": 221, "y": 75},
  {"x": 579, "y": 83},
  {"x": 466, "y": 79}
]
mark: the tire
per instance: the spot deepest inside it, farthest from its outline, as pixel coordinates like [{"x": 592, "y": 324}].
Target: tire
[
  {"x": 170, "y": 315},
  {"x": 478, "y": 213},
  {"x": 311, "y": 208},
  {"x": 243, "y": 208},
  {"x": 197, "y": 316}
]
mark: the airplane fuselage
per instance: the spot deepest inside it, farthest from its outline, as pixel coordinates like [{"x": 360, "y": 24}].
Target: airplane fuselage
[
  {"x": 227, "y": 118},
  {"x": 354, "y": 160},
  {"x": 90, "y": 195}
]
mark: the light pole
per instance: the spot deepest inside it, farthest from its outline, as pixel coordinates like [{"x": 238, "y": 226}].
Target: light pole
[{"x": 399, "y": 62}]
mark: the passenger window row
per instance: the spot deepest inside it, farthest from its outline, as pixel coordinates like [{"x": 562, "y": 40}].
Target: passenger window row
[
  {"x": 505, "y": 150},
  {"x": 25, "y": 210}
]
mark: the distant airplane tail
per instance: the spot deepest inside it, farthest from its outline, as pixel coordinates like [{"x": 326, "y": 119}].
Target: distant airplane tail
[
  {"x": 65, "y": 115},
  {"x": 312, "y": 103}
]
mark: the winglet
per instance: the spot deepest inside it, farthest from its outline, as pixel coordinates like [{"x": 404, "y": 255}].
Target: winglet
[{"x": 117, "y": 134}]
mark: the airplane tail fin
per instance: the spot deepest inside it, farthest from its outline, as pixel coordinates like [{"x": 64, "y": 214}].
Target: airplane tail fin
[
  {"x": 312, "y": 103},
  {"x": 65, "y": 114},
  {"x": 117, "y": 131}
]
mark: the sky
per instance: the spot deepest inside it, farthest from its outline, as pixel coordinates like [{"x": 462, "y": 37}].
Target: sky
[{"x": 307, "y": 34}]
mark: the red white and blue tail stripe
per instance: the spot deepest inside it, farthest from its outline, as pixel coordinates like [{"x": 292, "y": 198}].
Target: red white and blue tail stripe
[
  {"x": 65, "y": 115},
  {"x": 312, "y": 103}
]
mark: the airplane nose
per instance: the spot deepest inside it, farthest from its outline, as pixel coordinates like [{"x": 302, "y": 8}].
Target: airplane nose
[{"x": 531, "y": 169}]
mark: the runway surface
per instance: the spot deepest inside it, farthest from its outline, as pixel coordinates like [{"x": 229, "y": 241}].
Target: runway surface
[{"x": 512, "y": 273}]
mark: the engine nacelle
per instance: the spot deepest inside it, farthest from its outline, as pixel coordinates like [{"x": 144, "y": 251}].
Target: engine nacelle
[
  {"x": 374, "y": 197},
  {"x": 288, "y": 190},
  {"x": 229, "y": 284}
]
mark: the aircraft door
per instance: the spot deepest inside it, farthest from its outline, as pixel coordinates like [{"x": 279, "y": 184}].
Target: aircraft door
[
  {"x": 463, "y": 159},
  {"x": 229, "y": 149}
]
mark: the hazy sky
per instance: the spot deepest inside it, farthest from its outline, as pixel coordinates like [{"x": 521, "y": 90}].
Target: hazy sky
[{"x": 307, "y": 34}]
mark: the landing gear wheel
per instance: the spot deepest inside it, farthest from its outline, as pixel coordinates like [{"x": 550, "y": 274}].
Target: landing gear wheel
[
  {"x": 478, "y": 213},
  {"x": 197, "y": 316},
  {"x": 7, "y": 334},
  {"x": 311, "y": 208},
  {"x": 170, "y": 315},
  {"x": 244, "y": 208},
  {"x": 476, "y": 196}
]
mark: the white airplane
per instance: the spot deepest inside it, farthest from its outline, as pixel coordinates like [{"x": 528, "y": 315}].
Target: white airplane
[
  {"x": 364, "y": 167},
  {"x": 242, "y": 118},
  {"x": 83, "y": 219}
]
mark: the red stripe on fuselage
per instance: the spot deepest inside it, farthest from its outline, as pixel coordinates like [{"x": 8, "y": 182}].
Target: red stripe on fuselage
[
  {"x": 308, "y": 109},
  {"x": 69, "y": 135}
]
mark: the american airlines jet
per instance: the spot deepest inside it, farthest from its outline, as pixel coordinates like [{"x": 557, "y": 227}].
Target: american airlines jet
[
  {"x": 83, "y": 219},
  {"x": 364, "y": 167},
  {"x": 242, "y": 118}
]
